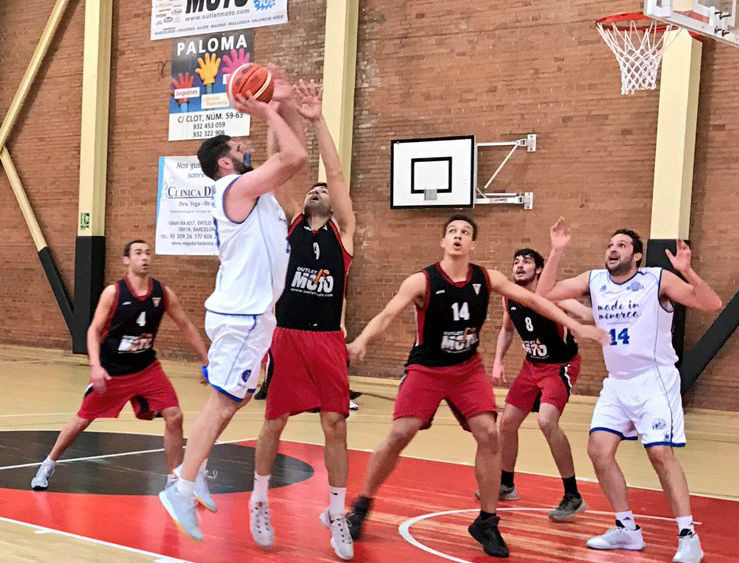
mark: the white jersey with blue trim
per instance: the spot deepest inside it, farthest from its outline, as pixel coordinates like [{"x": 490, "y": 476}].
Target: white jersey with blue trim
[
  {"x": 639, "y": 326},
  {"x": 254, "y": 254}
]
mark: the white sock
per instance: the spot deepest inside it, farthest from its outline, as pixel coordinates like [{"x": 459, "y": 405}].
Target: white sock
[
  {"x": 185, "y": 488},
  {"x": 261, "y": 486},
  {"x": 627, "y": 519},
  {"x": 337, "y": 497},
  {"x": 171, "y": 479},
  {"x": 685, "y": 523},
  {"x": 203, "y": 465},
  {"x": 49, "y": 461}
]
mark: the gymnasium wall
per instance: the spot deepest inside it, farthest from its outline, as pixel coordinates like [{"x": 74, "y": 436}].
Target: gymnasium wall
[{"x": 425, "y": 68}]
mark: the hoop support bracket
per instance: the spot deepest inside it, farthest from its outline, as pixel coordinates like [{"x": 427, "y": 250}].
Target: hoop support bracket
[{"x": 505, "y": 198}]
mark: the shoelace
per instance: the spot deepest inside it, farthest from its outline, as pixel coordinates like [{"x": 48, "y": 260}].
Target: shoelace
[{"x": 343, "y": 526}]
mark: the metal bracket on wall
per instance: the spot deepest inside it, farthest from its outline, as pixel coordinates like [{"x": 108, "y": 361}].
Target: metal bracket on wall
[{"x": 504, "y": 198}]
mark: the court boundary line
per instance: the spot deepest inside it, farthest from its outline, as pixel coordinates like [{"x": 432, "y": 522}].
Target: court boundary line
[
  {"x": 104, "y": 456},
  {"x": 158, "y": 557},
  {"x": 404, "y": 527}
]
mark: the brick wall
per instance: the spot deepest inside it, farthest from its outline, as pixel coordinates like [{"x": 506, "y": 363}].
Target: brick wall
[{"x": 424, "y": 69}]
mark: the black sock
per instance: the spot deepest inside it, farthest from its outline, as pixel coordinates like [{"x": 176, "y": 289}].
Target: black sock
[
  {"x": 485, "y": 515},
  {"x": 506, "y": 478},
  {"x": 570, "y": 484}
]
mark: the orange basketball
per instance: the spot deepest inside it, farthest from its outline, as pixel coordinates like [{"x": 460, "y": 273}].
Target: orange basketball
[{"x": 251, "y": 78}]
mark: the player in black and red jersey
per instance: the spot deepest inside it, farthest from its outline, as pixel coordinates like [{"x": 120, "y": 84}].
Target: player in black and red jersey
[
  {"x": 308, "y": 357},
  {"x": 543, "y": 384},
  {"x": 451, "y": 301},
  {"x": 124, "y": 365}
]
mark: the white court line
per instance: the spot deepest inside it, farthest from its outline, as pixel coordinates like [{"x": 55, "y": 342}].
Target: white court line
[
  {"x": 156, "y": 557},
  {"x": 404, "y": 528},
  {"x": 104, "y": 456}
]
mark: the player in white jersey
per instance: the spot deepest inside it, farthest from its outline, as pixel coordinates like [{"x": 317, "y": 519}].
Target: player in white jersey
[
  {"x": 641, "y": 395},
  {"x": 251, "y": 234}
]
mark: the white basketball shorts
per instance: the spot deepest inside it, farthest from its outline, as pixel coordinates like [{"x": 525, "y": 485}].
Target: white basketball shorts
[
  {"x": 648, "y": 405},
  {"x": 238, "y": 344}
]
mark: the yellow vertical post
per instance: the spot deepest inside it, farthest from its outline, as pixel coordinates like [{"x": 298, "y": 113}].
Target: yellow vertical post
[
  {"x": 94, "y": 129},
  {"x": 675, "y": 148},
  {"x": 339, "y": 71}
]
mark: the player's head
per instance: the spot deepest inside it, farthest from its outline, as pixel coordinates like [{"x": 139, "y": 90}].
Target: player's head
[
  {"x": 527, "y": 265},
  {"x": 317, "y": 201},
  {"x": 459, "y": 235},
  {"x": 222, "y": 155},
  {"x": 624, "y": 252},
  {"x": 136, "y": 257}
]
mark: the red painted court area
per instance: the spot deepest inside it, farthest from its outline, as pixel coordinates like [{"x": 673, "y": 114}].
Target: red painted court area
[{"x": 417, "y": 488}]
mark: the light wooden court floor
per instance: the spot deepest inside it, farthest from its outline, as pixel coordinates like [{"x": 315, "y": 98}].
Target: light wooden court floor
[{"x": 42, "y": 389}]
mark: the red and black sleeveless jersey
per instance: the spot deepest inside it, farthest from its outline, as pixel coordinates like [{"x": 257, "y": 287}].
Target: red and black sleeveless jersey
[
  {"x": 544, "y": 341},
  {"x": 450, "y": 320},
  {"x": 316, "y": 278},
  {"x": 128, "y": 339}
]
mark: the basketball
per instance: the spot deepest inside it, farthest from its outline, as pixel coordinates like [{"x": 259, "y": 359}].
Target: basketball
[{"x": 251, "y": 78}]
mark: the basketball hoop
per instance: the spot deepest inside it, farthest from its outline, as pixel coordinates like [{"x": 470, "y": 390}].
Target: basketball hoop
[{"x": 638, "y": 43}]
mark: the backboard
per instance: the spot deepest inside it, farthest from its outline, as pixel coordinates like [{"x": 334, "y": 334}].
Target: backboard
[
  {"x": 716, "y": 19},
  {"x": 438, "y": 172}
]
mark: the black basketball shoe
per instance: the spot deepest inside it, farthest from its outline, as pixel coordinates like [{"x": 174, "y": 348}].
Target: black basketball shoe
[
  {"x": 486, "y": 532},
  {"x": 355, "y": 518}
]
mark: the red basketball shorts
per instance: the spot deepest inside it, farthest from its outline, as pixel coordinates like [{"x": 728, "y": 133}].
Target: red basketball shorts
[
  {"x": 149, "y": 391},
  {"x": 309, "y": 373},
  {"x": 466, "y": 388},
  {"x": 549, "y": 383}
]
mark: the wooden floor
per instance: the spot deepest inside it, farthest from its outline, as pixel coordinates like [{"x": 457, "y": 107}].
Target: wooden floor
[{"x": 42, "y": 390}]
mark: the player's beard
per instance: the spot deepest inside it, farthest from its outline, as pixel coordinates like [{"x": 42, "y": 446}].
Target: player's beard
[
  {"x": 622, "y": 267},
  {"x": 239, "y": 166},
  {"x": 316, "y": 209}
]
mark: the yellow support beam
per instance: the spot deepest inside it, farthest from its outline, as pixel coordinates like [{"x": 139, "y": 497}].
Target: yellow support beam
[
  {"x": 339, "y": 71},
  {"x": 675, "y": 150},
  {"x": 32, "y": 70},
  {"x": 22, "y": 198},
  {"x": 94, "y": 129}
]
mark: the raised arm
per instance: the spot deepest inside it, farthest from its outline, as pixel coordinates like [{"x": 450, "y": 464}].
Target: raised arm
[
  {"x": 287, "y": 161},
  {"x": 543, "y": 306},
  {"x": 98, "y": 374},
  {"x": 188, "y": 330},
  {"x": 696, "y": 293},
  {"x": 285, "y": 103},
  {"x": 505, "y": 338},
  {"x": 309, "y": 103},
  {"x": 413, "y": 289},
  {"x": 559, "y": 237}
]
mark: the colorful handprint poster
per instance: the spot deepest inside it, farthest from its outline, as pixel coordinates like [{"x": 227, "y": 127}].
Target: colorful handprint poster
[
  {"x": 175, "y": 18},
  {"x": 198, "y": 104},
  {"x": 184, "y": 224}
]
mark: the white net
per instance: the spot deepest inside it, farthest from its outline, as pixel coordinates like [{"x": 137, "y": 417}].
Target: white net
[{"x": 638, "y": 50}]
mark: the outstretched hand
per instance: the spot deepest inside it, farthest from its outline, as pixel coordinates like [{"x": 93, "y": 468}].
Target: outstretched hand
[
  {"x": 283, "y": 92},
  {"x": 681, "y": 259},
  {"x": 309, "y": 99},
  {"x": 559, "y": 234}
]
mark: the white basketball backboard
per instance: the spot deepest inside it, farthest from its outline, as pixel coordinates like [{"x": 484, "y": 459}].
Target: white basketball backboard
[
  {"x": 436, "y": 172},
  {"x": 716, "y": 19}
]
